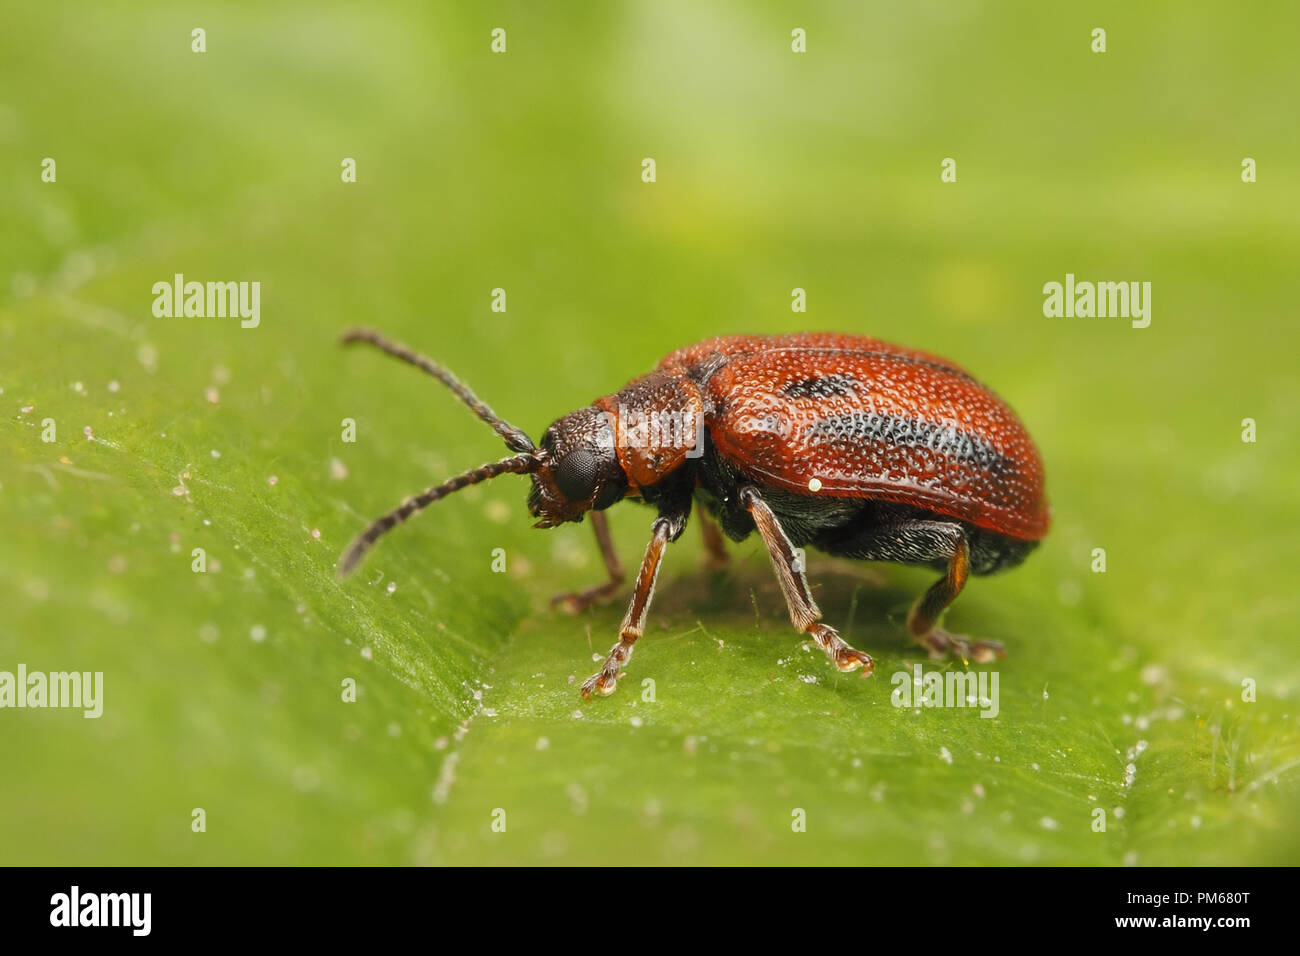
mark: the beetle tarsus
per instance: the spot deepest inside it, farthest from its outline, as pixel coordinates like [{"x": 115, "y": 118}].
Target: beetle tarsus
[
  {"x": 941, "y": 644},
  {"x": 575, "y": 602},
  {"x": 845, "y": 658},
  {"x": 605, "y": 681}
]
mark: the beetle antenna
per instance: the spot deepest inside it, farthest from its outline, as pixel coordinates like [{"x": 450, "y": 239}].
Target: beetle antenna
[
  {"x": 517, "y": 464},
  {"x": 515, "y": 438}
]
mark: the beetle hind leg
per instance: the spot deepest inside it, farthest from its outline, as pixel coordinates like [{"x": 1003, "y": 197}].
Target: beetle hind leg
[
  {"x": 912, "y": 540},
  {"x": 922, "y": 620},
  {"x": 804, "y": 613}
]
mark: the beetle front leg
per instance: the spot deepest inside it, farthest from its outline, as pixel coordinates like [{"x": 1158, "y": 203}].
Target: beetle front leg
[
  {"x": 575, "y": 601},
  {"x": 923, "y": 619},
  {"x": 665, "y": 529},
  {"x": 804, "y": 613}
]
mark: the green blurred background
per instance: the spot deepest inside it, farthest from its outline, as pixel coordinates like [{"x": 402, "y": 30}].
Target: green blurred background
[{"x": 522, "y": 171}]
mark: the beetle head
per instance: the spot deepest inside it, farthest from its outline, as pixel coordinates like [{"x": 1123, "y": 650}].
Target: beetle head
[
  {"x": 577, "y": 469},
  {"x": 574, "y": 471}
]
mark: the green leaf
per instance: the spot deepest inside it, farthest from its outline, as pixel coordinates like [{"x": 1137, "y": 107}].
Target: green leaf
[{"x": 1122, "y": 691}]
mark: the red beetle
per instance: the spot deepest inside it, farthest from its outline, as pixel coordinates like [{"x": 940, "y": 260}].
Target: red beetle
[{"x": 844, "y": 443}]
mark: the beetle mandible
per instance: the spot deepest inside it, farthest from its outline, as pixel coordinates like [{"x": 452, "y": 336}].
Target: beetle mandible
[{"x": 844, "y": 443}]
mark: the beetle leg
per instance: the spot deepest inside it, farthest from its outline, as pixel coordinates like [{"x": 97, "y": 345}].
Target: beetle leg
[
  {"x": 575, "y": 601},
  {"x": 666, "y": 528},
  {"x": 715, "y": 546},
  {"x": 924, "y": 616},
  {"x": 804, "y": 613}
]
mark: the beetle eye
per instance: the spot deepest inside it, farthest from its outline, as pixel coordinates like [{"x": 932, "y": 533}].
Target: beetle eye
[{"x": 575, "y": 475}]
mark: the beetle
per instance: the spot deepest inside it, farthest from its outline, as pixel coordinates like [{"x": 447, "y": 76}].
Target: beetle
[{"x": 844, "y": 443}]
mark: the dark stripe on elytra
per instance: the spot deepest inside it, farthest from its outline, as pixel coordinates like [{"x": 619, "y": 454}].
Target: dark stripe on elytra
[
  {"x": 871, "y": 427},
  {"x": 822, "y": 386}
]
